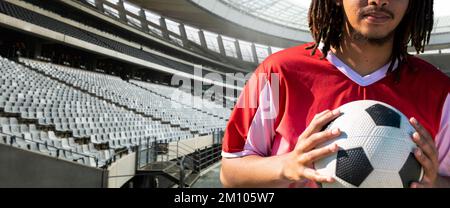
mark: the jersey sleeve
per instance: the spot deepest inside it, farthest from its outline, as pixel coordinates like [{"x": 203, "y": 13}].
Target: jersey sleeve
[
  {"x": 443, "y": 140},
  {"x": 250, "y": 129}
]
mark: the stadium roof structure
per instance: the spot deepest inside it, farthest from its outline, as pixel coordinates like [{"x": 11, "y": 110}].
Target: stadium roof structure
[
  {"x": 277, "y": 23},
  {"x": 289, "y": 13},
  {"x": 294, "y": 13}
]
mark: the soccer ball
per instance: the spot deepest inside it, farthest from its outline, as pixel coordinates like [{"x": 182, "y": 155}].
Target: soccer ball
[{"x": 376, "y": 149}]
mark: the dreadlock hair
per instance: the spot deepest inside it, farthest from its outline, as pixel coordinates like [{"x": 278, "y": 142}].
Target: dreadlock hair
[{"x": 326, "y": 22}]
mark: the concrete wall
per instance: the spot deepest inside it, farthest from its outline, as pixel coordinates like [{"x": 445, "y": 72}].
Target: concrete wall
[
  {"x": 20, "y": 168},
  {"x": 122, "y": 171},
  {"x": 197, "y": 142},
  {"x": 189, "y": 145}
]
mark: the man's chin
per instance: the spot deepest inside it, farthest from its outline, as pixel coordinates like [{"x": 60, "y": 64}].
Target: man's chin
[{"x": 373, "y": 39}]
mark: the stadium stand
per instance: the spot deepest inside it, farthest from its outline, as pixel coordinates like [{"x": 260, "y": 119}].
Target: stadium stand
[
  {"x": 54, "y": 25},
  {"x": 93, "y": 38},
  {"x": 94, "y": 118},
  {"x": 32, "y": 96},
  {"x": 51, "y": 103},
  {"x": 142, "y": 99}
]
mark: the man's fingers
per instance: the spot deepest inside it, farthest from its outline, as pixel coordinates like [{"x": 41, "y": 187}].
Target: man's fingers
[
  {"x": 318, "y": 138},
  {"x": 310, "y": 157},
  {"x": 426, "y": 147},
  {"x": 425, "y": 183},
  {"x": 323, "y": 120},
  {"x": 421, "y": 130},
  {"x": 313, "y": 175},
  {"x": 308, "y": 131},
  {"x": 417, "y": 185},
  {"x": 426, "y": 163},
  {"x": 320, "y": 121},
  {"x": 321, "y": 114}
]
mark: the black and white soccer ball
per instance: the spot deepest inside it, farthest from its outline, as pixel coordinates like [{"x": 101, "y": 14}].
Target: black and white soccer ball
[{"x": 376, "y": 149}]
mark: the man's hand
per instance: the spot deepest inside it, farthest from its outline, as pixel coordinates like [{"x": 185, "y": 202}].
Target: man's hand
[
  {"x": 297, "y": 165},
  {"x": 426, "y": 154}
]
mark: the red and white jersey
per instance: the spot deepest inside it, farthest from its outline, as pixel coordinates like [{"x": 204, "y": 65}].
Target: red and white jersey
[{"x": 290, "y": 87}]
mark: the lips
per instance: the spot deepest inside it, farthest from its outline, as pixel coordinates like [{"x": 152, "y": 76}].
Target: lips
[{"x": 377, "y": 17}]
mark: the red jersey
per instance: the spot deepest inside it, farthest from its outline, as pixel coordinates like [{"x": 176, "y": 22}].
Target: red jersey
[{"x": 291, "y": 86}]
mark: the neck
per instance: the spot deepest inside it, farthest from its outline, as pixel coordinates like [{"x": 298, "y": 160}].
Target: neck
[{"x": 363, "y": 57}]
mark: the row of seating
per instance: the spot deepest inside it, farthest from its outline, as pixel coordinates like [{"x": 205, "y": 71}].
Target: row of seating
[
  {"x": 180, "y": 96},
  {"x": 70, "y": 111},
  {"x": 150, "y": 102},
  {"x": 30, "y": 138}
]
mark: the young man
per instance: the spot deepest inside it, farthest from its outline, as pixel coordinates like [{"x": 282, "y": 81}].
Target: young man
[{"x": 360, "y": 52}]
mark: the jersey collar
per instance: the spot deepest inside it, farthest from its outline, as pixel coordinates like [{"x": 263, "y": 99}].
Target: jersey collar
[{"x": 363, "y": 81}]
